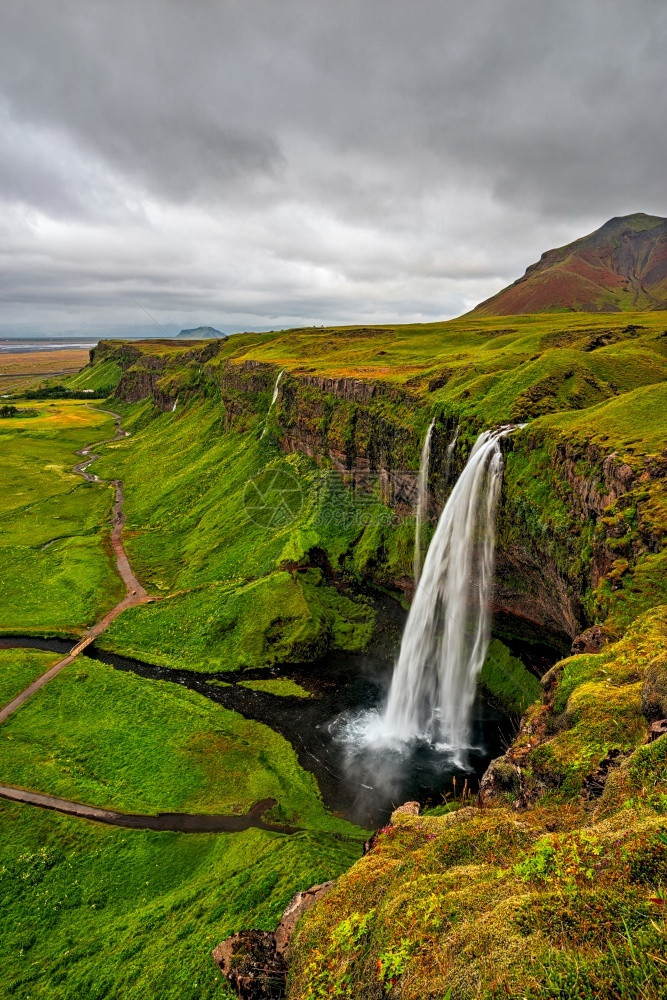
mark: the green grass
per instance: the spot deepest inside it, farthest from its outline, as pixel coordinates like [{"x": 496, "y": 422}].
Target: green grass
[
  {"x": 92, "y": 911},
  {"x": 19, "y": 668},
  {"x": 108, "y": 738},
  {"x": 507, "y": 681},
  {"x": 244, "y": 590},
  {"x": 56, "y": 569},
  {"x": 285, "y": 687}
]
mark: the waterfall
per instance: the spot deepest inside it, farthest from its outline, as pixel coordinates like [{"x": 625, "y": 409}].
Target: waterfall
[
  {"x": 273, "y": 401},
  {"x": 422, "y": 498},
  {"x": 422, "y": 490},
  {"x": 447, "y": 632},
  {"x": 449, "y": 453},
  {"x": 173, "y": 409}
]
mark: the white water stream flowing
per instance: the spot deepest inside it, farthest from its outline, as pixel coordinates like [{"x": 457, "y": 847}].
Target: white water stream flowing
[
  {"x": 446, "y": 636},
  {"x": 422, "y": 498},
  {"x": 273, "y": 401}
]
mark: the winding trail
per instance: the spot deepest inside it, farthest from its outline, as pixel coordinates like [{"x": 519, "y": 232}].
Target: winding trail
[
  {"x": 135, "y": 592},
  {"x": 175, "y": 822}
]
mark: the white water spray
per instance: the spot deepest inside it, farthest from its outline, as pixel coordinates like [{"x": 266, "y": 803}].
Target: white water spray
[
  {"x": 273, "y": 401},
  {"x": 422, "y": 498},
  {"x": 446, "y": 636}
]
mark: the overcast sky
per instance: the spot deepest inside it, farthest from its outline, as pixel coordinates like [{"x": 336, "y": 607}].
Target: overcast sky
[{"x": 250, "y": 164}]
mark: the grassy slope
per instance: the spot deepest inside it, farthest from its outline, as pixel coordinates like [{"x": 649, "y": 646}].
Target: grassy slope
[
  {"x": 56, "y": 573},
  {"x": 489, "y": 363},
  {"x": 189, "y": 535},
  {"x": 19, "y": 668},
  {"x": 92, "y": 911},
  {"x": 566, "y": 899},
  {"x": 151, "y": 747}
]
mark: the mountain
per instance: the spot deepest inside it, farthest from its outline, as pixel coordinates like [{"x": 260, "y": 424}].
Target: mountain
[
  {"x": 202, "y": 333},
  {"x": 622, "y": 266}
]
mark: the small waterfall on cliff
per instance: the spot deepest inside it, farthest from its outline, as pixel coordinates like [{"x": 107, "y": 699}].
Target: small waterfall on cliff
[
  {"x": 273, "y": 401},
  {"x": 422, "y": 498},
  {"x": 448, "y": 455},
  {"x": 447, "y": 632}
]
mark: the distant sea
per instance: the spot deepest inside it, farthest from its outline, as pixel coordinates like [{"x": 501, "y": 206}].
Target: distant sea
[{"x": 17, "y": 345}]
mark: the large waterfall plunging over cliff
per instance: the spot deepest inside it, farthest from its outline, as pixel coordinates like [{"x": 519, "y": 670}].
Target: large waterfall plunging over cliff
[{"x": 447, "y": 632}]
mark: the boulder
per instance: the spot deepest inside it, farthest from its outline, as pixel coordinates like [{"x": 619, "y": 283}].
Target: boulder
[
  {"x": 501, "y": 776},
  {"x": 300, "y": 904},
  {"x": 591, "y": 640},
  {"x": 252, "y": 966},
  {"x": 654, "y": 689},
  {"x": 657, "y": 730},
  {"x": 407, "y": 809},
  {"x": 254, "y": 962}
]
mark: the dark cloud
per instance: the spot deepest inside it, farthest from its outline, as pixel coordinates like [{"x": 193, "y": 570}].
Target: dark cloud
[{"x": 260, "y": 161}]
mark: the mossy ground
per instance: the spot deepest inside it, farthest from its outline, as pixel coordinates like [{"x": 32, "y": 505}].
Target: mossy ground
[{"x": 566, "y": 898}]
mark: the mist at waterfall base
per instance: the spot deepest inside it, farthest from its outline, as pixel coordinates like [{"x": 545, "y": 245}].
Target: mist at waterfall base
[{"x": 430, "y": 717}]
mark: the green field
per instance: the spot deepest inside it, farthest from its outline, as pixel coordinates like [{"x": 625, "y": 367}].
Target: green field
[
  {"x": 56, "y": 570},
  {"x": 92, "y": 911},
  {"x": 19, "y": 668},
  {"x": 108, "y": 738}
]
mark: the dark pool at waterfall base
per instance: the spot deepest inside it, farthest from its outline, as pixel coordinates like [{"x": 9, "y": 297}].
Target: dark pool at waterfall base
[{"x": 362, "y": 784}]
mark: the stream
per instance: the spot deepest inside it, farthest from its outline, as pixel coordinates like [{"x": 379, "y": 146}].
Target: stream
[{"x": 355, "y": 783}]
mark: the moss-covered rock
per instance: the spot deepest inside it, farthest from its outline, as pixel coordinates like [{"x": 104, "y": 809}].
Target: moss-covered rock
[{"x": 654, "y": 689}]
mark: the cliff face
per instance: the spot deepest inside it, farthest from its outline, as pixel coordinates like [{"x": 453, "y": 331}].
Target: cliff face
[{"x": 370, "y": 432}]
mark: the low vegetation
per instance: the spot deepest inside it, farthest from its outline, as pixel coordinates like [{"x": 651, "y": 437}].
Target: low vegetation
[
  {"x": 19, "y": 668},
  {"x": 151, "y": 747},
  {"x": 57, "y": 574},
  {"x": 93, "y": 911},
  {"x": 556, "y": 888}
]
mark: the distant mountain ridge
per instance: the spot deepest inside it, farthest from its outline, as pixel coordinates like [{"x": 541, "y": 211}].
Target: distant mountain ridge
[
  {"x": 621, "y": 266},
  {"x": 202, "y": 333}
]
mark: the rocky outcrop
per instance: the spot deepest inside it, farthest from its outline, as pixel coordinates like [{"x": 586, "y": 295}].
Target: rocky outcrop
[
  {"x": 657, "y": 730},
  {"x": 592, "y": 494},
  {"x": 591, "y": 640},
  {"x": 502, "y": 776},
  {"x": 654, "y": 689},
  {"x": 251, "y": 965},
  {"x": 136, "y": 385},
  {"x": 255, "y": 962},
  {"x": 300, "y": 904},
  {"x": 593, "y": 785}
]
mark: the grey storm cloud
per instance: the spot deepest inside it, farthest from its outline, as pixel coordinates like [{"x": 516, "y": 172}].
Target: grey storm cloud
[{"x": 249, "y": 162}]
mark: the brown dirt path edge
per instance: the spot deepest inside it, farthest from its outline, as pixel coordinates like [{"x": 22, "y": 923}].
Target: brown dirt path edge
[
  {"x": 135, "y": 592},
  {"x": 175, "y": 822}
]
